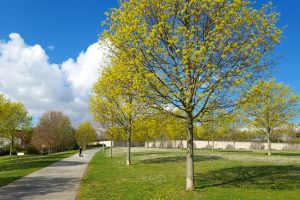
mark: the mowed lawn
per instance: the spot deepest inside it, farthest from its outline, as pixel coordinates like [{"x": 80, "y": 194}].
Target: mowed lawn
[
  {"x": 15, "y": 167},
  {"x": 160, "y": 174}
]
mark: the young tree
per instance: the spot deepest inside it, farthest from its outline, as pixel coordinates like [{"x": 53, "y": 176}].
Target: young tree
[
  {"x": 175, "y": 129},
  {"x": 116, "y": 98},
  {"x": 113, "y": 134},
  {"x": 13, "y": 119},
  {"x": 199, "y": 52},
  {"x": 16, "y": 118},
  {"x": 55, "y": 132},
  {"x": 85, "y": 133},
  {"x": 211, "y": 125},
  {"x": 231, "y": 126},
  {"x": 272, "y": 105}
]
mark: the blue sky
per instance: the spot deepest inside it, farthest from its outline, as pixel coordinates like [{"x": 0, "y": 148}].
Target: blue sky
[
  {"x": 70, "y": 26},
  {"x": 63, "y": 29}
]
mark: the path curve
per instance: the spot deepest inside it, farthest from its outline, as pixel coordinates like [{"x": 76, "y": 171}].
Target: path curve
[{"x": 59, "y": 181}]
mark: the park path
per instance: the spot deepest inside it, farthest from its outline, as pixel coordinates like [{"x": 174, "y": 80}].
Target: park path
[{"x": 59, "y": 181}]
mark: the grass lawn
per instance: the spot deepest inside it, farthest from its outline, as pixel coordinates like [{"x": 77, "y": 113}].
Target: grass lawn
[
  {"x": 160, "y": 174},
  {"x": 15, "y": 167}
]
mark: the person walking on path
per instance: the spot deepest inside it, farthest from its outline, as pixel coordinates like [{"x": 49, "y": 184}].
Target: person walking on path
[{"x": 80, "y": 151}]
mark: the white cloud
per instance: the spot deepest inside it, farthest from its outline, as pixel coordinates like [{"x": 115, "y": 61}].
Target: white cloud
[
  {"x": 83, "y": 71},
  {"x": 27, "y": 76}
]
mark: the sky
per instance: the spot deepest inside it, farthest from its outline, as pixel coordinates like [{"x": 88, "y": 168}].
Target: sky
[{"x": 50, "y": 58}]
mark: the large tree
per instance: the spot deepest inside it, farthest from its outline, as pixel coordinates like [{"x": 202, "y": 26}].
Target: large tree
[
  {"x": 194, "y": 54},
  {"x": 272, "y": 106},
  {"x": 54, "y": 132},
  {"x": 85, "y": 133}
]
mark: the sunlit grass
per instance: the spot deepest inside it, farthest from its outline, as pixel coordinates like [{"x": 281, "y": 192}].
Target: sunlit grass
[{"x": 160, "y": 174}]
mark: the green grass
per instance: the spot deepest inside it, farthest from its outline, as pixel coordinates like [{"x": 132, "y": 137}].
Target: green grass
[
  {"x": 15, "y": 167},
  {"x": 160, "y": 174}
]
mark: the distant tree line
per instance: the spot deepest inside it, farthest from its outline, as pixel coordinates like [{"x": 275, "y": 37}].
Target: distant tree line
[{"x": 53, "y": 133}]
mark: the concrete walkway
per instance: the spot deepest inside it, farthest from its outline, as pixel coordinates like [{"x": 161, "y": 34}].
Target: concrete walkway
[{"x": 59, "y": 181}]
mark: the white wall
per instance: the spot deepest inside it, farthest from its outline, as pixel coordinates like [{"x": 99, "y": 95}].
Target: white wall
[
  {"x": 219, "y": 145},
  {"x": 107, "y": 143}
]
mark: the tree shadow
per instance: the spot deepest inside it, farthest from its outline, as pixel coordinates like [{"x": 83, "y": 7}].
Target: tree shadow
[
  {"x": 285, "y": 154},
  {"x": 169, "y": 159},
  {"x": 150, "y": 153},
  {"x": 235, "y": 151},
  {"x": 284, "y": 177}
]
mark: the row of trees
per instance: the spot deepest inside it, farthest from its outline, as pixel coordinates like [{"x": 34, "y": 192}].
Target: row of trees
[
  {"x": 188, "y": 59},
  {"x": 53, "y": 133}
]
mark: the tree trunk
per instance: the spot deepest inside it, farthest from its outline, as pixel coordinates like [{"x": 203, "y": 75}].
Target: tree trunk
[
  {"x": 233, "y": 144},
  {"x": 181, "y": 143},
  {"x": 190, "y": 155},
  {"x": 212, "y": 144},
  {"x": 11, "y": 147},
  {"x": 111, "y": 143},
  {"x": 128, "y": 149},
  {"x": 175, "y": 143},
  {"x": 269, "y": 144}
]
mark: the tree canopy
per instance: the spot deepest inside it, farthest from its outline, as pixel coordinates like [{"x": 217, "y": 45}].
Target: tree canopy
[
  {"x": 272, "y": 106},
  {"x": 14, "y": 117},
  {"x": 194, "y": 55},
  {"x": 85, "y": 133}
]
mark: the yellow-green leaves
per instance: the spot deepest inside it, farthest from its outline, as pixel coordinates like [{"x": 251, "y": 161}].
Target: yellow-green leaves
[
  {"x": 189, "y": 43},
  {"x": 271, "y": 105},
  {"x": 14, "y": 117},
  {"x": 85, "y": 133}
]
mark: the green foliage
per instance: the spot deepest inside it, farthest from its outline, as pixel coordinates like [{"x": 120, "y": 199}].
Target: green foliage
[
  {"x": 31, "y": 149},
  {"x": 195, "y": 56},
  {"x": 13, "y": 118},
  {"x": 271, "y": 105},
  {"x": 117, "y": 101},
  {"x": 85, "y": 133}
]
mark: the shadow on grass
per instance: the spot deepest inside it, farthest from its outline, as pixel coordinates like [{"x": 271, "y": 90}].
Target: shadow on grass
[
  {"x": 168, "y": 159},
  {"x": 150, "y": 153},
  {"x": 263, "y": 177},
  {"x": 285, "y": 154},
  {"x": 235, "y": 151}
]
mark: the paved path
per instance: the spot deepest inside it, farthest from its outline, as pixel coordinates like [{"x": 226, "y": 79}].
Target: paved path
[{"x": 59, "y": 181}]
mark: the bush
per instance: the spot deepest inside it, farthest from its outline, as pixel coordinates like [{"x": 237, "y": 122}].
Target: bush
[
  {"x": 18, "y": 148},
  {"x": 6, "y": 150},
  {"x": 30, "y": 149}
]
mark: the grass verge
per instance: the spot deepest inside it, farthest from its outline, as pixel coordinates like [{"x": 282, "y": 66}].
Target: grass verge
[{"x": 15, "y": 167}]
